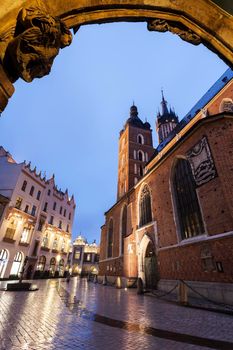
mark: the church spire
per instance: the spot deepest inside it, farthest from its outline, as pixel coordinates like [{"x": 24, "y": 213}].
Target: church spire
[
  {"x": 166, "y": 120},
  {"x": 164, "y": 105}
]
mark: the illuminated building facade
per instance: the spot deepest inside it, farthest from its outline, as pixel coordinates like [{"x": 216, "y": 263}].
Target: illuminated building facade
[
  {"x": 85, "y": 257},
  {"x": 176, "y": 221},
  {"x": 35, "y": 221}
]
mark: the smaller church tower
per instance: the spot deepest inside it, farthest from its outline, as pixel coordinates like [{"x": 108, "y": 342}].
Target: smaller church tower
[
  {"x": 166, "y": 121},
  {"x": 135, "y": 150}
]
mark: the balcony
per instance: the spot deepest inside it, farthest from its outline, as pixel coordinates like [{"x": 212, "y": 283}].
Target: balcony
[
  {"x": 45, "y": 249},
  {"x": 24, "y": 244},
  {"x": 55, "y": 251}
]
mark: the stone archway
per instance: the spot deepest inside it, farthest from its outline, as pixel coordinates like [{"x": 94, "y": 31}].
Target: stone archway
[
  {"x": 147, "y": 263},
  {"x": 28, "y": 24}
]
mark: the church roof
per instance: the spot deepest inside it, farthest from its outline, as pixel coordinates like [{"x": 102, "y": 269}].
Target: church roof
[{"x": 209, "y": 95}]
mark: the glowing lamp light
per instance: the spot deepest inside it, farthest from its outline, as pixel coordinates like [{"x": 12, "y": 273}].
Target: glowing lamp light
[{"x": 58, "y": 257}]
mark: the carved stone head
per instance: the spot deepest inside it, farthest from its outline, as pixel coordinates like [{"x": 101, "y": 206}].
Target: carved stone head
[{"x": 38, "y": 39}]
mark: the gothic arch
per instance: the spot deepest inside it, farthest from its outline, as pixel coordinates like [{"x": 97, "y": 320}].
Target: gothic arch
[
  {"x": 123, "y": 227},
  {"x": 143, "y": 186},
  {"x": 204, "y": 23},
  {"x": 181, "y": 166}
]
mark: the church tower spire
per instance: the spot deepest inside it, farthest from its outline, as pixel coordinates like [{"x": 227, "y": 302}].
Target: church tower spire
[{"x": 166, "y": 120}]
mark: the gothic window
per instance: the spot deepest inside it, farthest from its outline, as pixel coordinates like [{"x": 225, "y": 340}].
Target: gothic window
[
  {"x": 186, "y": 201},
  {"x": 135, "y": 154},
  {"x": 145, "y": 212},
  {"x": 140, "y": 170},
  {"x": 110, "y": 239},
  {"x": 135, "y": 181},
  {"x": 141, "y": 156},
  {"x": 140, "y": 139},
  {"x": 123, "y": 228},
  {"x": 24, "y": 186}
]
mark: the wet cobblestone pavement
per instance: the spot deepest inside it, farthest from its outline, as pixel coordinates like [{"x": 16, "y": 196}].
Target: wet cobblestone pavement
[{"x": 82, "y": 315}]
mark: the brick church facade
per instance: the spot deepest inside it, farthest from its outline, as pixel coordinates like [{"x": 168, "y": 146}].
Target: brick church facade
[{"x": 173, "y": 218}]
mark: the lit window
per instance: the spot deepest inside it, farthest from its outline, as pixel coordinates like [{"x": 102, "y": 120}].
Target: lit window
[
  {"x": 18, "y": 203},
  {"x": 45, "y": 241},
  {"x": 55, "y": 243},
  {"x": 77, "y": 255},
  {"x": 41, "y": 263},
  {"x": 25, "y": 235}
]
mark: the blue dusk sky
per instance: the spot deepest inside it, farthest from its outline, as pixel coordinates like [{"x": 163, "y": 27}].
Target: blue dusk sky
[{"x": 68, "y": 123}]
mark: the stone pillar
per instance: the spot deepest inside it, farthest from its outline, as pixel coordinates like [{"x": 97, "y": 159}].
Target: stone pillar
[{"x": 182, "y": 293}]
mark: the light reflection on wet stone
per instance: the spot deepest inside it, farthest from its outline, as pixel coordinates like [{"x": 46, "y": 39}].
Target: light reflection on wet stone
[{"x": 82, "y": 315}]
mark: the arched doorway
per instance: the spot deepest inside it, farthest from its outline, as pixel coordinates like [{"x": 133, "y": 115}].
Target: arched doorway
[
  {"x": 151, "y": 267},
  {"x": 61, "y": 267},
  {"x": 147, "y": 262},
  {"x": 52, "y": 267},
  {"x": 41, "y": 263},
  {"x": 4, "y": 257},
  {"x": 17, "y": 264}
]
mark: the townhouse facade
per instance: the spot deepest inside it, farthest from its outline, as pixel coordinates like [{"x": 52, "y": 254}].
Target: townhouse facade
[{"x": 36, "y": 221}]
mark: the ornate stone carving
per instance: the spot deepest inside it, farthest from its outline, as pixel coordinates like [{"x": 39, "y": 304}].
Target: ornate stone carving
[
  {"x": 201, "y": 162},
  {"x": 37, "y": 41},
  {"x": 186, "y": 34}
]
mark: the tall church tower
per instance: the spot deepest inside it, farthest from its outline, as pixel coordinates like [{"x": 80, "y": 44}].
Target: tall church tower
[
  {"x": 135, "y": 150},
  {"x": 166, "y": 121}
]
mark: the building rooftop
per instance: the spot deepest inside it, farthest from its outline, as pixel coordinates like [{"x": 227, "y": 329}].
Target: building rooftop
[{"x": 208, "y": 96}]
